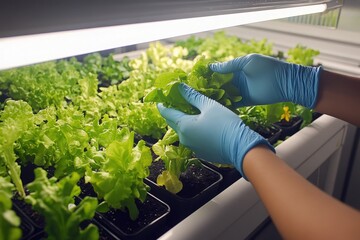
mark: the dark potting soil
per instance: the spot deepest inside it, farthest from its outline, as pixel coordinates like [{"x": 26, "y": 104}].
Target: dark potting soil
[
  {"x": 4, "y": 95},
  {"x": 263, "y": 132},
  {"x": 289, "y": 128},
  {"x": 229, "y": 174},
  {"x": 86, "y": 189},
  {"x": 266, "y": 132},
  {"x": 28, "y": 175},
  {"x": 291, "y": 122},
  {"x": 26, "y": 209},
  {"x": 149, "y": 140},
  {"x": 285, "y": 123},
  {"x": 104, "y": 234},
  {"x": 149, "y": 211},
  {"x": 25, "y": 227},
  {"x": 271, "y": 134},
  {"x": 195, "y": 179},
  {"x": 155, "y": 169}
]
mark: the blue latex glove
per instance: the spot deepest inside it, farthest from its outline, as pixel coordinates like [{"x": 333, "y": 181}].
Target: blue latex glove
[
  {"x": 266, "y": 80},
  {"x": 216, "y": 134}
]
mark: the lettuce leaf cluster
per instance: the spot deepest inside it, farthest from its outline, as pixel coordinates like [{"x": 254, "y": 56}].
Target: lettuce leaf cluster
[
  {"x": 15, "y": 120},
  {"x": 55, "y": 201},
  {"x": 214, "y": 85},
  {"x": 119, "y": 181}
]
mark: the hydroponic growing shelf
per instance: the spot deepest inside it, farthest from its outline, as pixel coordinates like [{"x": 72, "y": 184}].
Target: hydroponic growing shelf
[{"x": 85, "y": 123}]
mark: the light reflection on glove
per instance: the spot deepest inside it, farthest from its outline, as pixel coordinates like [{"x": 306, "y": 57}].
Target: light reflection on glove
[
  {"x": 216, "y": 134},
  {"x": 266, "y": 80}
]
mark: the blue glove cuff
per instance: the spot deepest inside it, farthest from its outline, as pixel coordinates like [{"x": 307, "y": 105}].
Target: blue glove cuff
[
  {"x": 305, "y": 85},
  {"x": 316, "y": 86},
  {"x": 252, "y": 145},
  {"x": 246, "y": 140}
]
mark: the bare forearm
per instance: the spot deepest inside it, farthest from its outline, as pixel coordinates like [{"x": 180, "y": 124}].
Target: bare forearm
[
  {"x": 298, "y": 209},
  {"x": 339, "y": 96}
]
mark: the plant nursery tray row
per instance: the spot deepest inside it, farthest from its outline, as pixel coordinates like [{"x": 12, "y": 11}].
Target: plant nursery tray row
[{"x": 161, "y": 210}]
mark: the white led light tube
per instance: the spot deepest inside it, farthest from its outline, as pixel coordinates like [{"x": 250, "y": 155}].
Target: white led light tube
[{"x": 30, "y": 49}]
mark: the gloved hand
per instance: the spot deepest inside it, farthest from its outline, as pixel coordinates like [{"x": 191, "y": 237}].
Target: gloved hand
[
  {"x": 216, "y": 134},
  {"x": 265, "y": 80}
]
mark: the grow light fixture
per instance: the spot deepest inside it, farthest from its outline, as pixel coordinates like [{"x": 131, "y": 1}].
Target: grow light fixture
[{"x": 29, "y": 49}]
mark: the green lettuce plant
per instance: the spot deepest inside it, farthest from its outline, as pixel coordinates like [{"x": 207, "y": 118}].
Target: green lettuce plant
[
  {"x": 192, "y": 44},
  {"x": 40, "y": 85},
  {"x": 119, "y": 181},
  {"x": 287, "y": 110},
  {"x": 55, "y": 201},
  {"x": 109, "y": 70},
  {"x": 223, "y": 47},
  {"x": 16, "y": 119},
  {"x": 266, "y": 115},
  {"x": 143, "y": 118},
  {"x": 58, "y": 140},
  {"x": 301, "y": 55},
  {"x": 176, "y": 159}
]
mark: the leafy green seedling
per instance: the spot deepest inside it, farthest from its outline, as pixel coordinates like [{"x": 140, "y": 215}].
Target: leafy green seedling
[{"x": 176, "y": 158}]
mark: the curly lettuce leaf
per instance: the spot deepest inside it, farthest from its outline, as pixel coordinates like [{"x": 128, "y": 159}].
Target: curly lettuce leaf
[
  {"x": 171, "y": 97},
  {"x": 16, "y": 119},
  {"x": 41, "y": 85},
  {"x": 214, "y": 85},
  {"x": 104, "y": 131},
  {"x": 223, "y": 47},
  {"x": 301, "y": 55},
  {"x": 253, "y": 116},
  {"x": 59, "y": 140},
  {"x": 144, "y": 119},
  {"x": 192, "y": 45},
  {"x": 120, "y": 180},
  {"x": 108, "y": 70}
]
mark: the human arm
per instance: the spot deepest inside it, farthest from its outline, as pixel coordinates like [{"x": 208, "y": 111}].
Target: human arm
[
  {"x": 339, "y": 96},
  {"x": 298, "y": 209}
]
